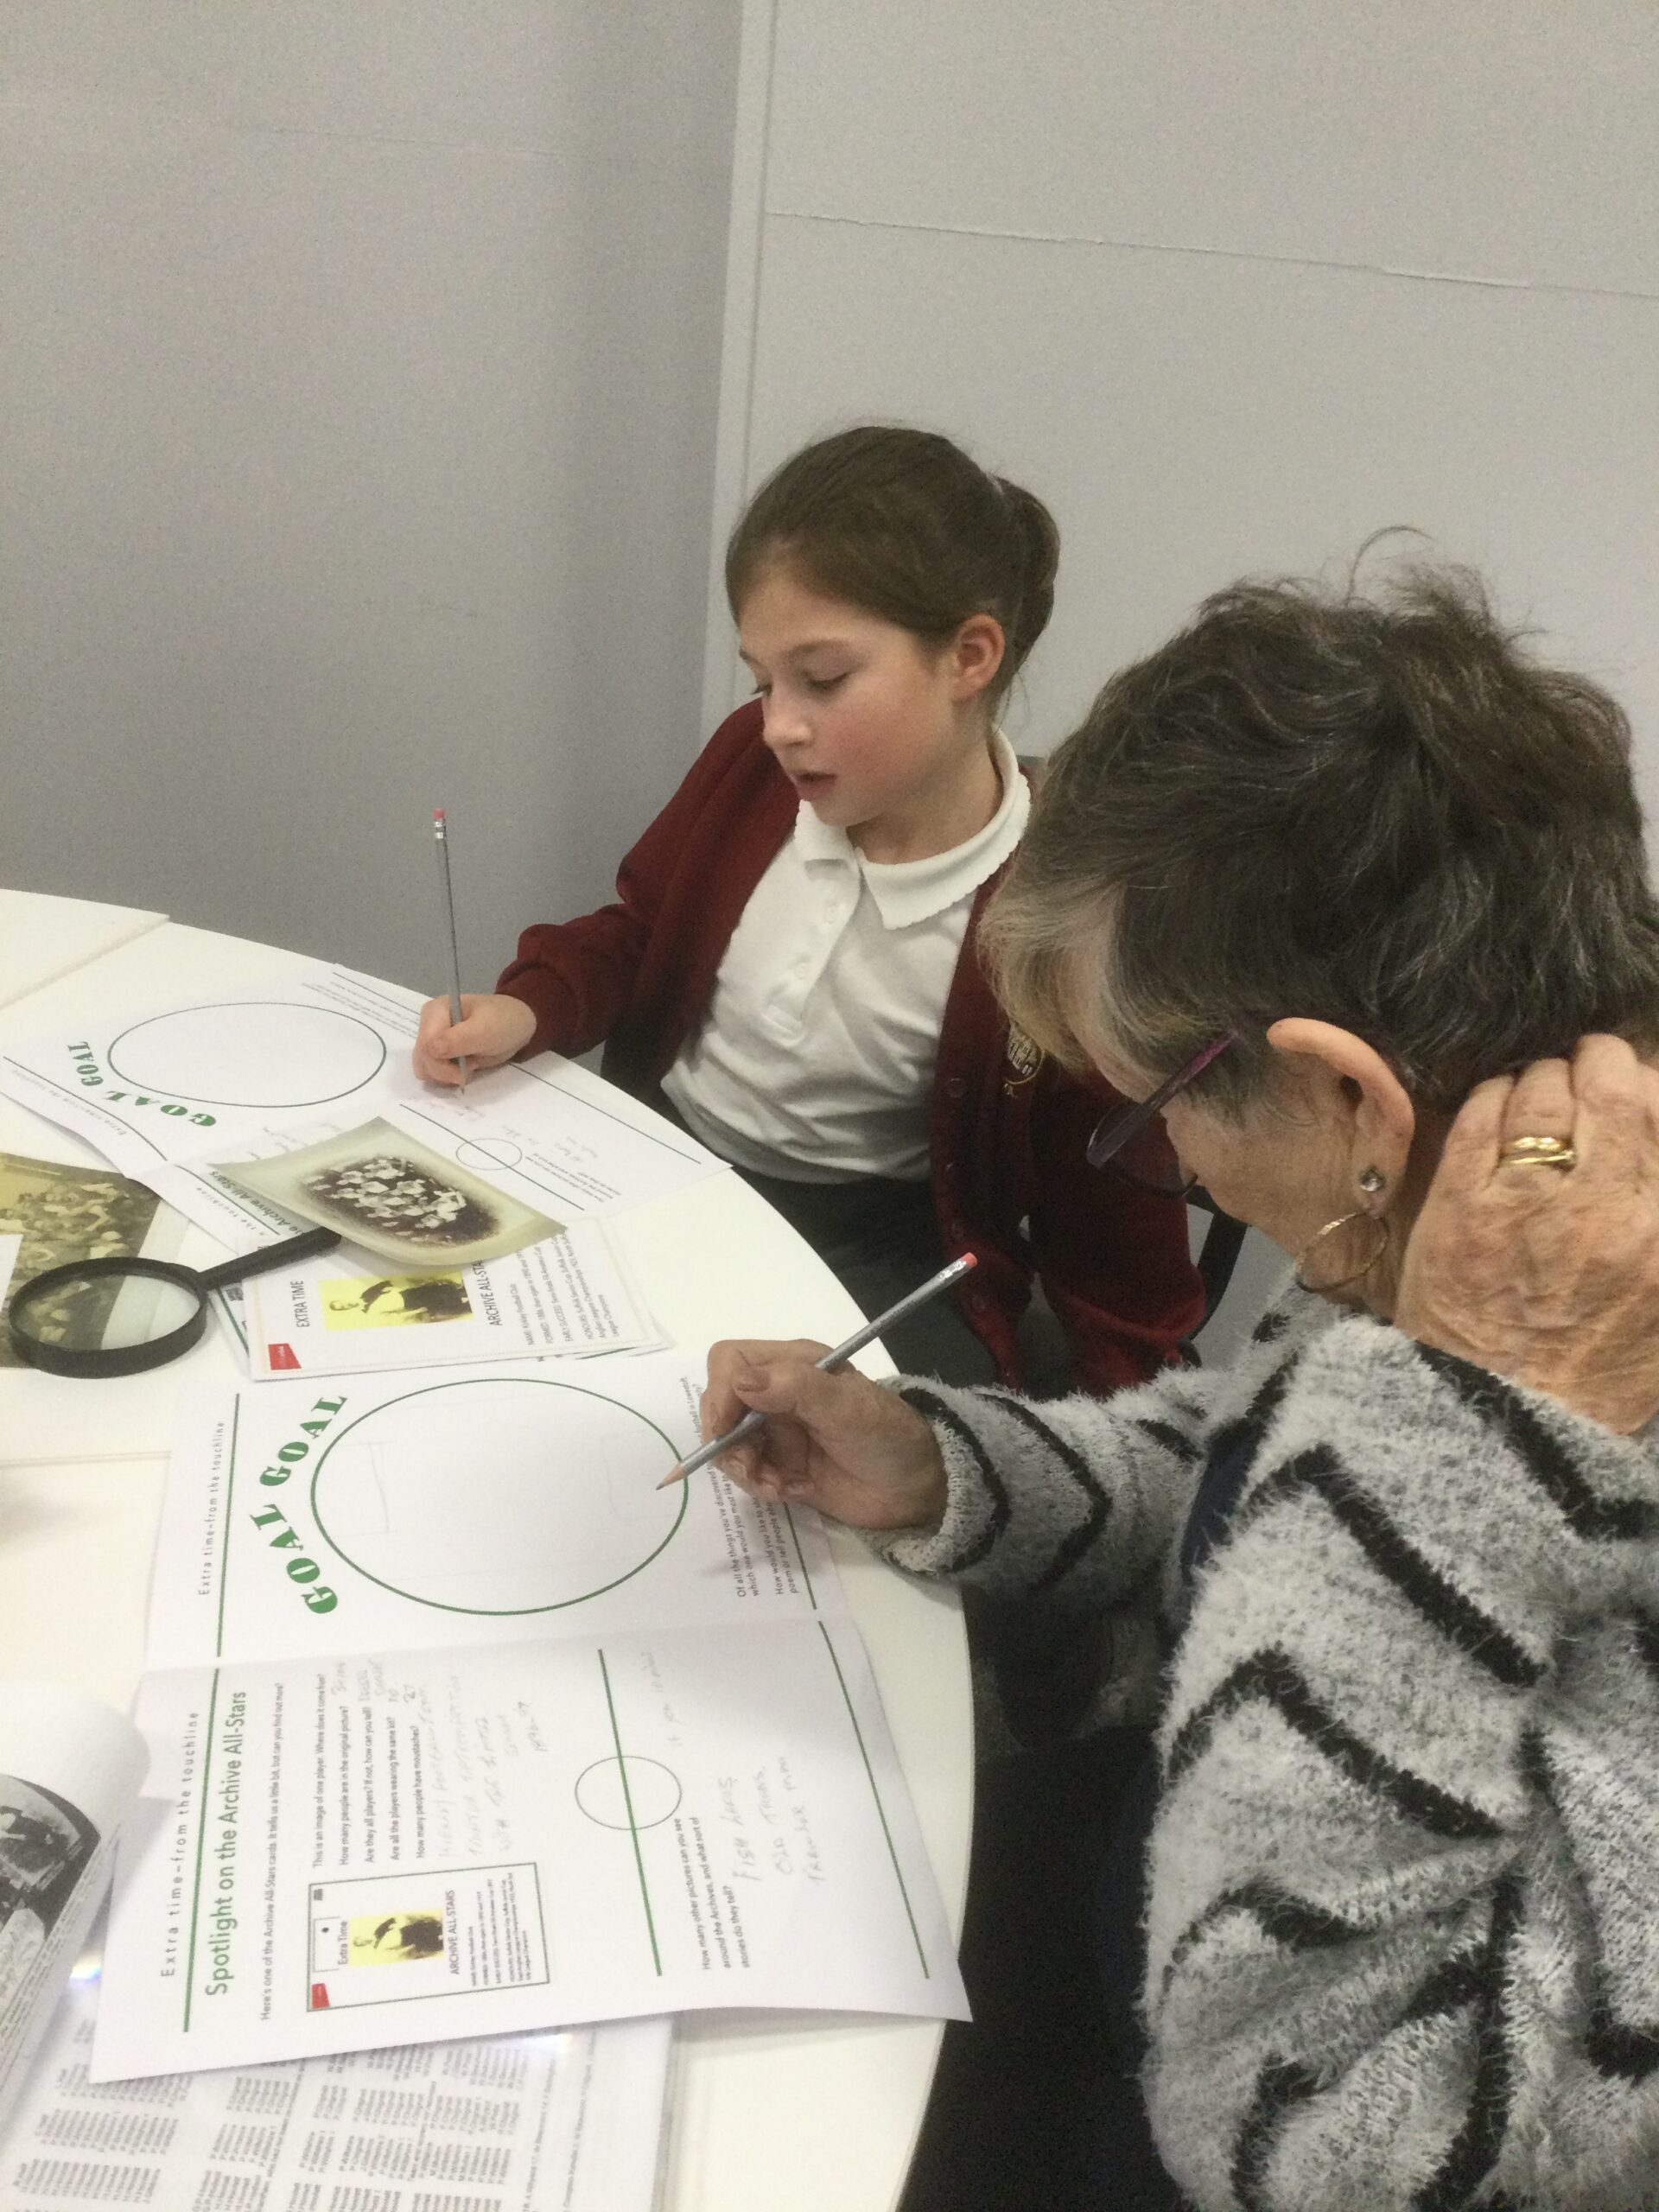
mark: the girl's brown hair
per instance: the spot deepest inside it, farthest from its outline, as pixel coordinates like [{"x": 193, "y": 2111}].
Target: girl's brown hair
[{"x": 902, "y": 524}]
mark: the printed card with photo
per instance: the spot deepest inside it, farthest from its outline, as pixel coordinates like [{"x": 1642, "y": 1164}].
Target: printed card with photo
[
  {"x": 395, "y": 1196},
  {"x": 50, "y": 1214}
]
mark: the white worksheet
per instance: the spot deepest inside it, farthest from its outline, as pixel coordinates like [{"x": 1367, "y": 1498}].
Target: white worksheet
[
  {"x": 160, "y": 1090},
  {"x": 157, "y": 1084},
  {"x": 460, "y": 1725},
  {"x": 397, "y": 1847},
  {"x": 502, "y": 2124},
  {"x": 556, "y": 1137},
  {"x": 311, "y": 1054},
  {"x": 513, "y": 1503}
]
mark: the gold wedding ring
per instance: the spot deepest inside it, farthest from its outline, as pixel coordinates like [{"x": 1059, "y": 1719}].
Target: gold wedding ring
[{"x": 1537, "y": 1152}]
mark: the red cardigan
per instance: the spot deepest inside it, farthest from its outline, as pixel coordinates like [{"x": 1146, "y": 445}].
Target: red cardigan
[{"x": 1005, "y": 1139}]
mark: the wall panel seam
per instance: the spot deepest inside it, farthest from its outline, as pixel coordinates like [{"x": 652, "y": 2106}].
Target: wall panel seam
[
  {"x": 751, "y": 157},
  {"x": 1396, "y": 272}
]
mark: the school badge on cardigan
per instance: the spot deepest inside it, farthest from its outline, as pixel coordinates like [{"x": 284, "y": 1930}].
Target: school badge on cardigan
[{"x": 1025, "y": 1059}]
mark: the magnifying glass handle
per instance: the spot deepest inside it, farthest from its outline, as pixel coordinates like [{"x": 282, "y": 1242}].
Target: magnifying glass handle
[{"x": 304, "y": 1247}]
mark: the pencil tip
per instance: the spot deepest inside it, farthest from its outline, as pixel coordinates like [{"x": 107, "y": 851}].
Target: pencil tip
[{"x": 674, "y": 1475}]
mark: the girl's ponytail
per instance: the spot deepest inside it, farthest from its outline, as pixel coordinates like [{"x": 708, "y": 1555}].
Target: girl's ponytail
[{"x": 1037, "y": 563}]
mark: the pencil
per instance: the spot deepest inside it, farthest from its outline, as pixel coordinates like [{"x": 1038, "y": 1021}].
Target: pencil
[
  {"x": 441, "y": 835},
  {"x": 831, "y": 1361}
]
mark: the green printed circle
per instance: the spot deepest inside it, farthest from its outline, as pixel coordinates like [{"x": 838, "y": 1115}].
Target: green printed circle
[
  {"x": 215, "y": 1055},
  {"x": 505, "y": 1500}
]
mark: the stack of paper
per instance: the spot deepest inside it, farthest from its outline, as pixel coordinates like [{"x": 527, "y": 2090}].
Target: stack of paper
[
  {"x": 459, "y": 1726},
  {"x": 507, "y": 2124},
  {"x": 341, "y": 1314},
  {"x": 179, "y": 1097},
  {"x": 166, "y": 1095}
]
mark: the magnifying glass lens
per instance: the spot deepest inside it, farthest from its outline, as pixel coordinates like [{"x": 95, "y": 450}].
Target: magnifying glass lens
[
  {"x": 103, "y": 1310},
  {"x": 145, "y": 1310},
  {"x": 118, "y": 1317}
]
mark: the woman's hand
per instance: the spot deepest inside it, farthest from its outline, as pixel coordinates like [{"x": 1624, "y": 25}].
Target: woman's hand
[
  {"x": 1549, "y": 1276},
  {"x": 491, "y": 1028},
  {"x": 839, "y": 1442}
]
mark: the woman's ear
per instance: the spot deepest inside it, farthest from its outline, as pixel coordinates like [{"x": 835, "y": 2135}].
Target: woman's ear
[
  {"x": 976, "y": 653},
  {"x": 1364, "y": 1098}
]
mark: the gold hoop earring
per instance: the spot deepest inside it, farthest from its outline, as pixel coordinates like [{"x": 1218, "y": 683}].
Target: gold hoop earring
[{"x": 1341, "y": 1282}]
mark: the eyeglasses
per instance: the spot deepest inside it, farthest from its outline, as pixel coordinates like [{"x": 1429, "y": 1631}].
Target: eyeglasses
[{"x": 1130, "y": 1142}]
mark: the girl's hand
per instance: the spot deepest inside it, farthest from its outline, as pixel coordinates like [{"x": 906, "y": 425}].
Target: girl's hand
[
  {"x": 839, "y": 1442},
  {"x": 491, "y": 1028},
  {"x": 1548, "y": 1275}
]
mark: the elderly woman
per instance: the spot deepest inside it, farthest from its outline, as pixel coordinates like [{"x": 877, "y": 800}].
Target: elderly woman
[{"x": 1352, "y": 894}]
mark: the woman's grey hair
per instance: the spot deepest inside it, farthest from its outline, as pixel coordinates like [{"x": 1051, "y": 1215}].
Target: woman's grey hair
[{"x": 1376, "y": 810}]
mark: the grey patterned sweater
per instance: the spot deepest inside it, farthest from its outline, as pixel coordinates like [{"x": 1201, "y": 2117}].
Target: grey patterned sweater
[{"x": 1403, "y": 1935}]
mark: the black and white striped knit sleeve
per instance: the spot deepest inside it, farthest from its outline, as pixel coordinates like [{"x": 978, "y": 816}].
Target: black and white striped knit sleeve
[
  {"x": 1075, "y": 1499},
  {"x": 1403, "y": 1942}
]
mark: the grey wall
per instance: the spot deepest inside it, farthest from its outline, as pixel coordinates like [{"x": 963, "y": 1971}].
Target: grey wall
[
  {"x": 359, "y": 385},
  {"x": 1231, "y": 287}
]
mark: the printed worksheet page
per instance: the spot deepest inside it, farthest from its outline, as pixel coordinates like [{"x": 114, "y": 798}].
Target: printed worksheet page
[
  {"x": 502, "y": 2124},
  {"x": 382, "y": 1512},
  {"x": 460, "y": 1725},
  {"x": 413, "y": 1846},
  {"x": 314, "y": 1054},
  {"x": 156, "y": 1088},
  {"x": 556, "y": 1137},
  {"x": 572, "y": 1294}
]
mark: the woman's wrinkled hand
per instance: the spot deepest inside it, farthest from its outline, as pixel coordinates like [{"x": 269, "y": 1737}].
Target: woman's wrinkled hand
[
  {"x": 838, "y": 1442},
  {"x": 1549, "y": 1276},
  {"x": 491, "y": 1028}
]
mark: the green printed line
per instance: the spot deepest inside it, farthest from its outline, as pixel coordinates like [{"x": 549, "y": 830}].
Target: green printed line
[
  {"x": 224, "y": 1545},
  {"x": 627, "y": 1800},
  {"x": 232, "y": 1318},
  {"x": 881, "y": 1813},
  {"x": 204, "y": 1771},
  {"x": 806, "y": 1572}
]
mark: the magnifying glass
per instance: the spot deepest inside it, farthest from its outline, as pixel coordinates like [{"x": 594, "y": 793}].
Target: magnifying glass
[{"x": 121, "y": 1316}]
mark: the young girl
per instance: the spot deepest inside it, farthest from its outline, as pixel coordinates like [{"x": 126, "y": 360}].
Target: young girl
[{"x": 791, "y": 968}]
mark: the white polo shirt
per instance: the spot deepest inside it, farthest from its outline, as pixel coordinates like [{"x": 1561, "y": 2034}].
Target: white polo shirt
[{"x": 815, "y": 1062}]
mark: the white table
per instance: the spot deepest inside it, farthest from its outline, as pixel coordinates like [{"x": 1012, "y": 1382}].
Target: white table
[
  {"x": 42, "y": 937},
  {"x": 769, "y": 2112}
]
